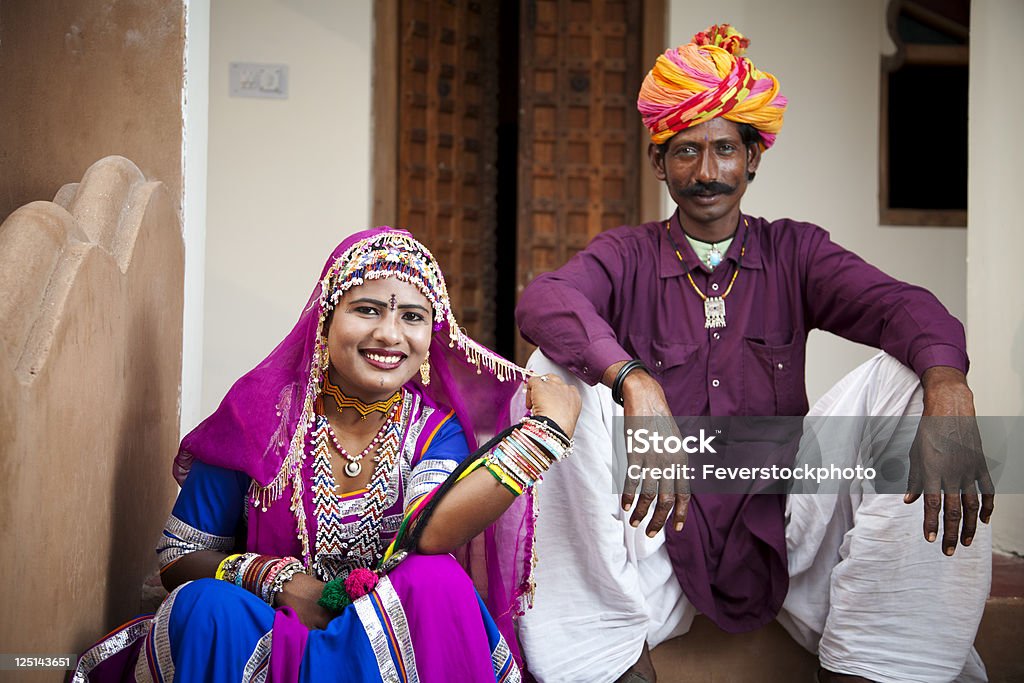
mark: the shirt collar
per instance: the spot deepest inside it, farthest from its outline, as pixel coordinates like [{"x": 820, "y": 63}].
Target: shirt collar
[{"x": 671, "y": 266}]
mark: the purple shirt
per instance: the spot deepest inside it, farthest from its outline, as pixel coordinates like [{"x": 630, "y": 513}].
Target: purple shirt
[{"x": 627, "y": 296}]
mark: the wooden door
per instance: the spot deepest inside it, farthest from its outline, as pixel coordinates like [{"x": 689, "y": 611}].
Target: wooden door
[
  {"x": 446, "y": 146},
  {"x": 579, "y": 134}
]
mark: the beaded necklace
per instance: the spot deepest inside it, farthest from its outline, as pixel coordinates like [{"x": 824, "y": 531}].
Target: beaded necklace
[
  {"x": 714, "y": 306},
  {"x": 341, "y": 547},
  {"x": 353, "y": 467}
]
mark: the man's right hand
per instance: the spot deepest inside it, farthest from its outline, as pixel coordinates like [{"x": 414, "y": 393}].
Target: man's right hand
[{"x": 645, "y": 407}]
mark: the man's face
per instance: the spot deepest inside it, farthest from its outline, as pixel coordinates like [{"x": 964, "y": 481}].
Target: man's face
[{"x": 705, "y": 168}]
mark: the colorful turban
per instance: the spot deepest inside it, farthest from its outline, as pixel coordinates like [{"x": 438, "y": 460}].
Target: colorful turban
[{"x": 707, "y": 78}]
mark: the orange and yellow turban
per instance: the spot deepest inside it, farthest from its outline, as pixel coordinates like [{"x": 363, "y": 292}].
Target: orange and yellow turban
[{"x": 707, "y": 78}]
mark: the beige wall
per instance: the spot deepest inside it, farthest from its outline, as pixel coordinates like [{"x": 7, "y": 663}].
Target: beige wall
[
  {"x": 84, "y": 79},
  {"x": 824, "y": 167},
  {"x": 995, "y": 279},
  {"x": 287, "y": 179}
]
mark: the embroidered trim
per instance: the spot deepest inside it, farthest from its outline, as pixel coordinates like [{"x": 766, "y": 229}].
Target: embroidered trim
[
  {"x": 376, "y": 635},
  {"x": 143, "y": 671},
  {"x": 505, "y": 669},
  {"x": 258, "y": 666},
  {"x": 110, "y": 646},
  {"x": 157, "y": 663},
  {"x": 387, "y": 628},
  {"x": 392, "y": 606},
  {"x": 426, "y": 476},
  {"x": 180, "y": 538}
]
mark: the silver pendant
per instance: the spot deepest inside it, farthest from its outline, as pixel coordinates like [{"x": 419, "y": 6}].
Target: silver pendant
[
  {"x": 714, "y": 312},
  {"x": 714, "y": 256},
  {"x": 353, "y": 468}
]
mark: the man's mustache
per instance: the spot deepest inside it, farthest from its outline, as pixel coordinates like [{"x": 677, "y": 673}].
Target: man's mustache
[{"x": 714, "y": 187}]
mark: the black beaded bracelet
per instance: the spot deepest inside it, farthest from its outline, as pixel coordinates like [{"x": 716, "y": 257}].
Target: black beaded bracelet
[{"x": 628, "y": 367}]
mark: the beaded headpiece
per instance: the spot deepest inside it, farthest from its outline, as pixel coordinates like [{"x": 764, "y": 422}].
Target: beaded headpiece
[
  {"x": 400, "y": 255},
  {"x": 387, "y": 255}
]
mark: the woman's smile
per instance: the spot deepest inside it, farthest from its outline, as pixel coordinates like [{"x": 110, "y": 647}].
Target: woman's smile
[{"x": 382, "y": 358}]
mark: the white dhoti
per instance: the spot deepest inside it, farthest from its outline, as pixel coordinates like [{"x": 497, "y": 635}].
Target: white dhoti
[{"x": 867, "y": 593}]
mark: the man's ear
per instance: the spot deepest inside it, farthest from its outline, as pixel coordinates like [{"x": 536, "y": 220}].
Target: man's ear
[
  {"x": 657, "y": 161},
  {"x": 753, "y": 159}
]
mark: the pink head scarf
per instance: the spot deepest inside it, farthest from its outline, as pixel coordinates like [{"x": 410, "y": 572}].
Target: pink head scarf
[{"x": 260, "y": 427}]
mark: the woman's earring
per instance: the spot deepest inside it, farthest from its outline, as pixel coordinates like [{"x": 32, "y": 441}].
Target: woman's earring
[
  {"x": 425, "y": 370},
  {"x": 325, "y": 360}
]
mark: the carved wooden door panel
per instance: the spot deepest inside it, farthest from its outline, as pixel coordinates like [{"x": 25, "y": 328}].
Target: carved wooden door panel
[
  {"x": 447, "y": 147},
  {"x": 579, "y": 132}
]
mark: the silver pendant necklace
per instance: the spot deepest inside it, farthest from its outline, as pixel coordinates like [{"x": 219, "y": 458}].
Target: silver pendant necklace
[
  {"x": 353, "y": 467},
  {"x": 714, "y": 306}
]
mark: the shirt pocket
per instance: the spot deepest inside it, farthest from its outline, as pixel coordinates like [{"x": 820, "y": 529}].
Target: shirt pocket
[
  {"x": 773, "y": 378},
  {"x": 676, "y": 366}
]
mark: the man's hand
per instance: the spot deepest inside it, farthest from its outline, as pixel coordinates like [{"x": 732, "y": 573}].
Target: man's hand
[
  {"x": 646, "y": 408},
  {"x": 947, "y": 464}
]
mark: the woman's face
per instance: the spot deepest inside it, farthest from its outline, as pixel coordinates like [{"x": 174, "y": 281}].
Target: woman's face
[{"x": 378, "y": 337}]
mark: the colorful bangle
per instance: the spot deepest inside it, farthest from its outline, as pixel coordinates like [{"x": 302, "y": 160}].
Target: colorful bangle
[
  {"x": 549, "y": 426},
  {"x": 225, "y": 564},
  {"x": 283, "y": 576}
]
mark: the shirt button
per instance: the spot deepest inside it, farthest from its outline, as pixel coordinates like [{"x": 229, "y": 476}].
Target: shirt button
[
  {"x": 657, "y": 363},
  {"x": 715, "y": 382},
  {"x": 780, "y": 366},
  {"x": 715, "y": 286},
  {"x": 585, "y": 369},
  {"x": 716, "y": 335}
]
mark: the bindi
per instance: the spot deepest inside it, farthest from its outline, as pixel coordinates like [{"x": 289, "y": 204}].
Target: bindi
[{"x": 392, "y": 302}]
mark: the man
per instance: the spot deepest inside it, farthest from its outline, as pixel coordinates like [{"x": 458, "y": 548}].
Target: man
[{"x": 717, "y": 305}]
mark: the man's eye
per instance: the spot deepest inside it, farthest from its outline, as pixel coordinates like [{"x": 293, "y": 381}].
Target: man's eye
[{"x": 726, "y": 149}]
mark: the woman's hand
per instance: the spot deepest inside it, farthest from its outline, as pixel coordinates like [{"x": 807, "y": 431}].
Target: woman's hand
[
  {"x": 301, "y": 594},
  {"x": 549, "y": 396}
]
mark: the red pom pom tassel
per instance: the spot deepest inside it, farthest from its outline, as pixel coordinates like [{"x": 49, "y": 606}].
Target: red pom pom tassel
[{"x": 360, "y": 582}]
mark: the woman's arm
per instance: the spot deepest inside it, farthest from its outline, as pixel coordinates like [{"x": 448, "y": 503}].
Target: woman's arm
[
  {"x": 476, "y": 501},
  {"x": 199, "y": 564}
]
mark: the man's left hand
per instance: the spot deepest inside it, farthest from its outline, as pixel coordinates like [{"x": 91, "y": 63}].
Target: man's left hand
[{"x": 947, "y": 464}]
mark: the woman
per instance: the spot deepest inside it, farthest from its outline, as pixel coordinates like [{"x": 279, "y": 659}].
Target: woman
[{"x": 320, "y": 501}]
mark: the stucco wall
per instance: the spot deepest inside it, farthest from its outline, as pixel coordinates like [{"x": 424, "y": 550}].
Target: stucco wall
[
  {"x": 287, "y": 179},
  {"x": 82, "y": 80},
  {"x": 90, "y": 360}
]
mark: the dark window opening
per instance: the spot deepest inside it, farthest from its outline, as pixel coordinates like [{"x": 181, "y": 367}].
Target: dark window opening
[{"x": 923, "y": 164}]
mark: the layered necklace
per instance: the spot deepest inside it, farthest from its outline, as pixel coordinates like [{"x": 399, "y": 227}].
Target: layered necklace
[
  {"x": 714, "y": 306},
  {"x": 388, "y": 407}
]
